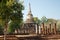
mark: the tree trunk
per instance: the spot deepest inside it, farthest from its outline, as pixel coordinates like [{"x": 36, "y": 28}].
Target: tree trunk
[{"x": 5, "y": 29}]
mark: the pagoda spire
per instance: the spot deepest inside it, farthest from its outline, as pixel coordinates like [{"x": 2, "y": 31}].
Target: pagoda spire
[
  {"x": 29, "y": 8},
  {"x": 29, "y": 16}
]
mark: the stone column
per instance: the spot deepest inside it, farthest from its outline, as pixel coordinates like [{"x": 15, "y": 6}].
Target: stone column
[
  {"x": 54, "y": 28},
  {"x": 43, "y": 28},
  {"x": 39, "y": 30},
  {"x": 46, "y": 29},
  {"x": 36, "y": 28},
  {"x": 49, "y": 28},
  {"x": 15, "y": 31}
]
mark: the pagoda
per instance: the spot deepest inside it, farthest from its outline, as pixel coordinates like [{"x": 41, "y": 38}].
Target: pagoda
[
  {"x": 29, "y": 24},
  {"x": 29, "y": 16}
]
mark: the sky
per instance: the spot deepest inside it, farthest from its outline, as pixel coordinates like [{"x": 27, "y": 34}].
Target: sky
[{"x": 40, "y": 8}]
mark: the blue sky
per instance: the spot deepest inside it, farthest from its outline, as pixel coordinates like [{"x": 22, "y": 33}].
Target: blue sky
[{"x": 39, "y": 8}]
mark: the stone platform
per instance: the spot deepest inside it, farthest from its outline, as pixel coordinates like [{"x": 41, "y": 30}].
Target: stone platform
[
  {"x": 50, "y": 37},
  {"x": 31, "y": 37},
  {"x": 19, "y": 37}
]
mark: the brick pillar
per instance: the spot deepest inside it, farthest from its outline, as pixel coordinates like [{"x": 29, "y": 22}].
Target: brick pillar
[
  {"x": 54, "y": 28},
  {"x": 43, "y": 28},
  {"x": 41, "y": 31},
  {"x": 36, "y": 29},
  {"x": 46, "y": 30},
  {"x": 15, "y": 31},
  {"x": 49, "y": 28}
]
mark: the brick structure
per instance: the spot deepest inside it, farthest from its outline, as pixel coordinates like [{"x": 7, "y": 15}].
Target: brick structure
[
  {"x": 48, "y": 29},
  {"x": 55, "y": 28},
  {"x": 29, "y": 24}
]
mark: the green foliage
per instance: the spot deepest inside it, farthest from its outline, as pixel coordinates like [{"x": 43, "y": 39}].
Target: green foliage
[
  {"x": 44, "y": 19},
  {"x": 58, "y": 28},
  {"x": 17, "y": 12},
  {"x": 13, "y": 26},
  {"x": 5, "y": 11},
  {"x": 14, "y": 11},
  {"x": 16, "y": 17},
  {"x": 51, "y": 21},
  {"x": 1, "y": 29},
  {"x": 58, "y": 25},
  {"x": 36, "y": 20},
  {"x": 11, "y": 10}
]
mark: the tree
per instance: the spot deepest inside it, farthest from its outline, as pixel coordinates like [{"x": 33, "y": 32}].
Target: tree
[
  {"x": 5, "y": 12},
  {"x": 58, "y": 25},
  {"x": 17, "y": 17},
  {"x": 13, "y": 26},
  {"x": 17, "y": 12},
  {"x": 10, "y": 10},
  {"x": 36, "y": 20},
  {"x": 51, "y": 21},
  {"x": 44, "y": 19},
  {"x": 1, "y": 29}
]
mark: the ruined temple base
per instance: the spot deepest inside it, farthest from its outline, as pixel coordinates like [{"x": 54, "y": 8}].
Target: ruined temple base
[
  {"x": 31, "y": 37},
  {"x": 50, "y": 37}
]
